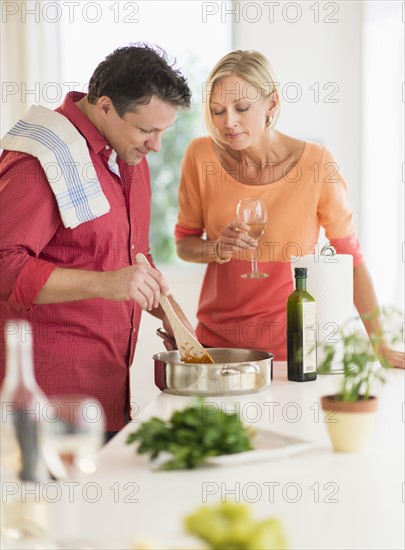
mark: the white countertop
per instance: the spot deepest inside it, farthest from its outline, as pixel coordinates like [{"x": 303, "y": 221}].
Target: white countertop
[{"x": 324, "y": 499}]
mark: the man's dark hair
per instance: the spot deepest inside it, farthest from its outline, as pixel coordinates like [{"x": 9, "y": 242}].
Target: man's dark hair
[{"x": 130, "y": 76}]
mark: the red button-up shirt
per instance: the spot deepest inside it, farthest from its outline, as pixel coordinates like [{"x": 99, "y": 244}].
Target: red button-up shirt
[{"x": 84, "y": 346}]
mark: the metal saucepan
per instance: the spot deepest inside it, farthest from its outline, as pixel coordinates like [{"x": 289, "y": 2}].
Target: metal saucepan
[{"x": 234, "y": 372}]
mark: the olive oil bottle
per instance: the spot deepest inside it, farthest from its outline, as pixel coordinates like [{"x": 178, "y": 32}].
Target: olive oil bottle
[{"x": 301, "y": 331}]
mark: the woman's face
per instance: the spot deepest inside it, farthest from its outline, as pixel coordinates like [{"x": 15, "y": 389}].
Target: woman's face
[{"x": 239, "y": 111}]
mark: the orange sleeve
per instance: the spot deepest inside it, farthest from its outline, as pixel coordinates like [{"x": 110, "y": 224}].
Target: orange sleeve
[
  {"x": 334, "y": 214},
  {"x": 333, "y": 211},
  {"x": 180, "y": 232},
  {"x": 349, "y": 245},
  {"x": 190, "y": 213}
]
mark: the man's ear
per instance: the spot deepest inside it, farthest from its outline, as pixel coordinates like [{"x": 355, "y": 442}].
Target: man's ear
[{"x": 105, "y": 106}]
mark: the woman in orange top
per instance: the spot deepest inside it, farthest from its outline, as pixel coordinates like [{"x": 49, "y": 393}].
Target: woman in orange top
[{"x": 302, "y": 188}]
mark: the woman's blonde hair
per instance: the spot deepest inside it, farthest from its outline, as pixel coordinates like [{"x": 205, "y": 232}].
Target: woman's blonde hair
[{"x": 250, "y": 65}]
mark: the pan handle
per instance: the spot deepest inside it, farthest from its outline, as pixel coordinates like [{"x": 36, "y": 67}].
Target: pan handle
[{"x": 166, "y": 337}]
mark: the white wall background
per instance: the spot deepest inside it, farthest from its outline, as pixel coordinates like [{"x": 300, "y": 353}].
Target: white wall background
[
  {"x": 383, "y": 146},
  {"x": 315, "y": 50},
  {"x": 341, "y": 70}
]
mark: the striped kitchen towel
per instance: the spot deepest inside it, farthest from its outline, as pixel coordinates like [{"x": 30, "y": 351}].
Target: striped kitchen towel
[{"x": 64, "y": 156}]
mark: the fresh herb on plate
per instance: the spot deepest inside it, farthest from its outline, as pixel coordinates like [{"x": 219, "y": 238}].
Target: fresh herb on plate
[{"x": 191, "y": 435}]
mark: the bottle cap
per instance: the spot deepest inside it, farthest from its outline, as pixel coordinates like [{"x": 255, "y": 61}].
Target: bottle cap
[{"x": 300, "y": 271}]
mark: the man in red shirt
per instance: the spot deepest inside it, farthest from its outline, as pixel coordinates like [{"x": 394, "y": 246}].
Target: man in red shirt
[{"x": 80, "y": 287}]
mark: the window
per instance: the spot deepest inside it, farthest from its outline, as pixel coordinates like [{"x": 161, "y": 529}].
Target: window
[{"x": 91, "y": 31}]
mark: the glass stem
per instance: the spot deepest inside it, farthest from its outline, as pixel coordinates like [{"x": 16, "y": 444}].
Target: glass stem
[{"x": 254, "y": 261}]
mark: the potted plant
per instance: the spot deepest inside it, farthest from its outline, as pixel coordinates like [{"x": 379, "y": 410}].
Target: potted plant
[{"x": 349, "y": 413}]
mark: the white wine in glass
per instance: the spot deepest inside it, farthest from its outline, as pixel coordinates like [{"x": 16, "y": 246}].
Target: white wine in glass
[{"x": 253, "y": 213}]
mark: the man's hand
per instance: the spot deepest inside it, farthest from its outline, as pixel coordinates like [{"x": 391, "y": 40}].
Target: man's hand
[{"x": 141, "y": 283}]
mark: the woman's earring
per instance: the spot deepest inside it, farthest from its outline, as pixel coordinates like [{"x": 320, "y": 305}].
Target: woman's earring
[{"x": 269, "y": 120}]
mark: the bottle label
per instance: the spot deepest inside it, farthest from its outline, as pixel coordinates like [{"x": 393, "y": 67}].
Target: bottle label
[{"x": 309, "y": 336}]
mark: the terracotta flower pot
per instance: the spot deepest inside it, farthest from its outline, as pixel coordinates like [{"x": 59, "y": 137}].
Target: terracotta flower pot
[{"x": 349, "y": 423}]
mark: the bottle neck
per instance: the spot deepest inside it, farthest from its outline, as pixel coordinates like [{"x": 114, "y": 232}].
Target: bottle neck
[
  {"x": 300, "y": 283},
  {"x": 19, "y": 360}
]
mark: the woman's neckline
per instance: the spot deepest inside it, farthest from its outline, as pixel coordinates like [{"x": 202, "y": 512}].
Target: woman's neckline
[{"x": 275, "y": 182}]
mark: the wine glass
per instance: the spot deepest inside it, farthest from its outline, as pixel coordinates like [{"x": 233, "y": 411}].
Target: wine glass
[
  {"x": 74, "y": 434},
  {"x": 253, "y": 213},
  {"x": 75, "y": 428}
]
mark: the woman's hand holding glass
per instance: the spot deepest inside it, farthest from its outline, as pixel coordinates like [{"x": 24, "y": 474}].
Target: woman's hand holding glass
[
  {"x": 240, "y": 235},
  {"x": 232, "y": 240},
  {"x": 253, "y": 214}
]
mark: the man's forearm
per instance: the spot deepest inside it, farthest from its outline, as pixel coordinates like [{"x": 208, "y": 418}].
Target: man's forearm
[
  {"x": 140, "y": 283},
  {"x": 69, "y": 285}
]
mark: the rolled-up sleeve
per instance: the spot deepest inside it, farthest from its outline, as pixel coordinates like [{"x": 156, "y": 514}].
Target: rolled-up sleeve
[
  {"x": 29, "y": 282},
  {"x": 29, "y": 219}
]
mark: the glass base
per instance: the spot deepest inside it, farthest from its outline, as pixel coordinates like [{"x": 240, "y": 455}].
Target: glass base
[{"x": 254, "y": 275}]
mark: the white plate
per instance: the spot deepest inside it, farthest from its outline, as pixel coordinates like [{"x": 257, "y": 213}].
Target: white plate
[{"x": 267, "y": 445}]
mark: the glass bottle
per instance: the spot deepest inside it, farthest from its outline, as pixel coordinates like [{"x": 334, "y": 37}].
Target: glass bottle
[
  {"x": 301, "y": 331},
  {"x": 23, "y": 468},
  {"x": 22, "y": 404}
]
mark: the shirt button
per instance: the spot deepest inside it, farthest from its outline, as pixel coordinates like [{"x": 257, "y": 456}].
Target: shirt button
[
  {"x": 107, "y": 147},
  {"x": 132, "y": 246}
]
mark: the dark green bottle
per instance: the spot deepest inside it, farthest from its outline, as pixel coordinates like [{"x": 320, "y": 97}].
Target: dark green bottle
[{"x": 301, "y": 331}]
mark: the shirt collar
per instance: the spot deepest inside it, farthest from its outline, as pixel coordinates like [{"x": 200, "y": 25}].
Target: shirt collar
[
  {"x": 113, "y": 164},
  {"x": 69, "y": 109}
]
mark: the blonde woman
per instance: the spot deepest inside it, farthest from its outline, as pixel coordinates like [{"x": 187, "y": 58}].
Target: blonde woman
[{"x": 245, "y": 156}]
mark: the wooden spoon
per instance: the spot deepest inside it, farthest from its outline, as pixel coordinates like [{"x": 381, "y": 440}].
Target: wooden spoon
[{"x": 190, "y": 349}]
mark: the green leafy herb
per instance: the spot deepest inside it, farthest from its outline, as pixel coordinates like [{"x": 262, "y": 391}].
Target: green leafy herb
[
  {"x": 192, "y": 435},
  {"x": 358, "y": 352}
]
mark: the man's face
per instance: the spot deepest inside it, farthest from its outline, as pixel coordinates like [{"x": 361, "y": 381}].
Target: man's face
[{"x": 138, "y": 132}]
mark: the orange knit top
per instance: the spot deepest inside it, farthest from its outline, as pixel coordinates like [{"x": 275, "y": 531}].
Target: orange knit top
[{"x": 236, "y": 312}]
